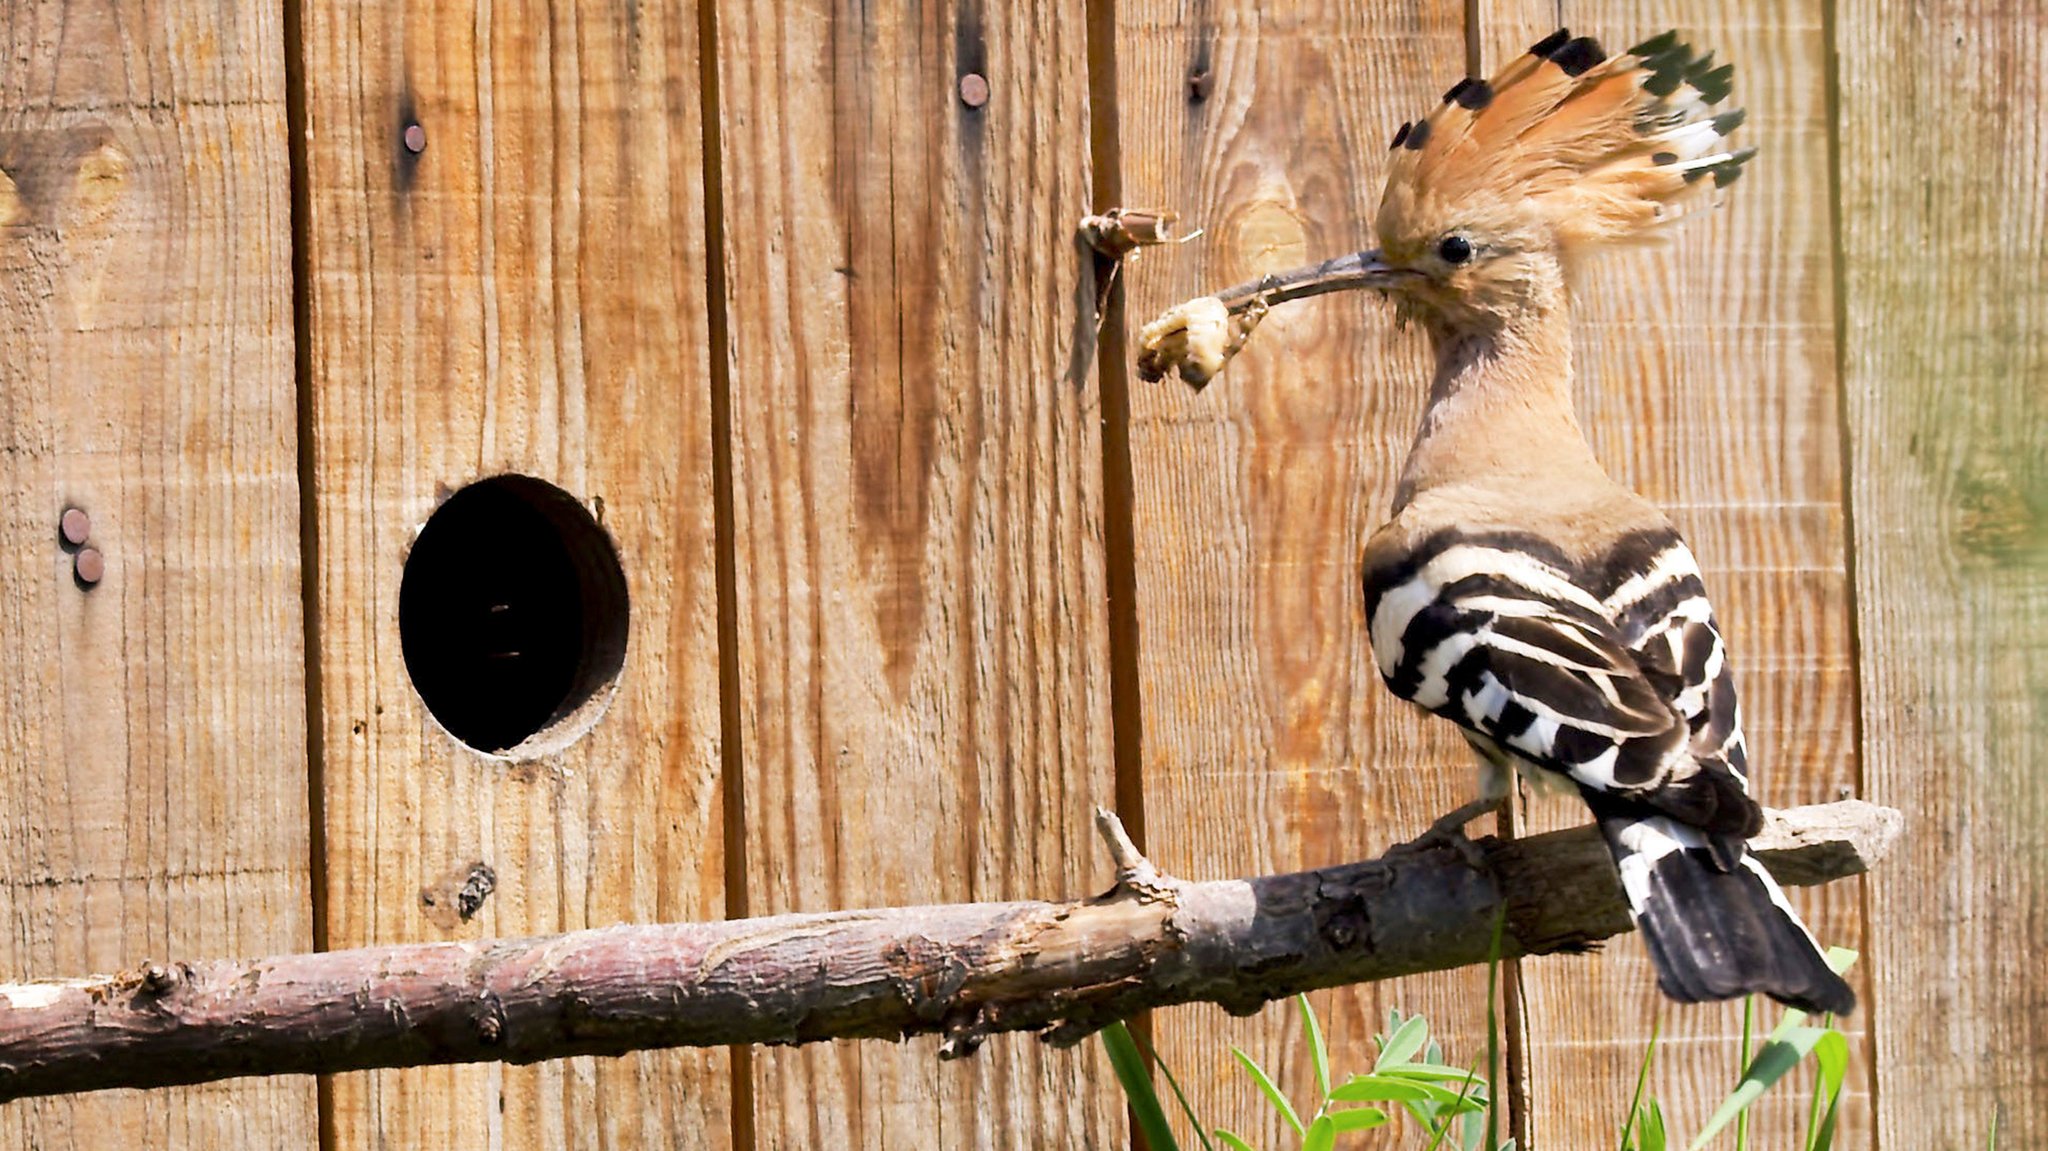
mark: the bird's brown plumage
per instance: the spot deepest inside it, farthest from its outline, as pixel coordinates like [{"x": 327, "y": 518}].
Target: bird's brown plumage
[{"x": 1518, "y": 590}]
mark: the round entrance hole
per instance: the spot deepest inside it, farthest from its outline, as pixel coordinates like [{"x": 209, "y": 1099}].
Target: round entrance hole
[{"x": 512, "y": 616}]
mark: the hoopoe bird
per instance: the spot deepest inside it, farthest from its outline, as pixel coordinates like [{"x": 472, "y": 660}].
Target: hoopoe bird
[{"x": 1519, "y": 591}]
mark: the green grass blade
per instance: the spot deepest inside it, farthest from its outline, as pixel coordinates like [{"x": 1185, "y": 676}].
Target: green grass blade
[
  {"x": 1831, "y": 1057},
  {"x": 1319, "y": 1053},
  {"x": 1824, "y": 1135},
  {"x": 1322, "y": 1135},
  {"x": 1748, "y": 1028},
  {"x": 1778, "y": 1056},
  {"x": 1500, "y": 921},
  {"x": 1635, "y": 1103},
  {"x": 1271, "y": 1090},
  {"x": 1232, "y": 1141},
  {"x": 1653, "y": 1128},
  {"x": 1129, "y": 1066},
  {"x": 1180, "y": 1096}
]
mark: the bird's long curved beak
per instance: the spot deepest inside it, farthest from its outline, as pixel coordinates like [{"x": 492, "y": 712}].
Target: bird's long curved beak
[{"x": 1368, "y": 269}]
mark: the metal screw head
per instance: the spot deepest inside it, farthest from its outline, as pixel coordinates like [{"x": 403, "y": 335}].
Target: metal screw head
[
  {"x": 974, "y": 89},
  {"x": 75, "y": 526},
  {"x": 89, "y": 566},
  {"x": 415, "y": 139}
]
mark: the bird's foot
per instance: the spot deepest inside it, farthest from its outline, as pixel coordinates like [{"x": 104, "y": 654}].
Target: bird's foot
[{"x": 1449, "y": 831}]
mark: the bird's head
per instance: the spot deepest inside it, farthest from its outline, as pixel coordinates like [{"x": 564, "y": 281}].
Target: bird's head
[{"x": 1492, "y": 194}]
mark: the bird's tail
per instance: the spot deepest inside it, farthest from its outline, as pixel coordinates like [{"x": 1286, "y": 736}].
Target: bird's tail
[{"x": 1716, "y": 923}]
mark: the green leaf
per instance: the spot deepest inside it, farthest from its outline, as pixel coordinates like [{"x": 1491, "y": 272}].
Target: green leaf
[
  {"x": 1130, "y": 1073},
  {"x": 1475, "y": 1131},
  {"x": 1392, "y": 1089},
  {"x": 1358, "y": 1119},
  {"x": 1402, "y": 1045},
  {"x": 1272, "y": 1092},
  {"x": 1786, "y": 1048},
  {"x": 1473, "y": 1119},
  {"x": 1317, "y": 1052},
  {"x": 1322, "y": 1135},
  {"x": 1431, "y": 1071},
  {"x": 1232, "y": 1141},
  {"x": 1831, "y": 1055}
]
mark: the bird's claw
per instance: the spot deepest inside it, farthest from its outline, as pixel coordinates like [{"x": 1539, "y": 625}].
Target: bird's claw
[{"x": 1449, "y": 831}]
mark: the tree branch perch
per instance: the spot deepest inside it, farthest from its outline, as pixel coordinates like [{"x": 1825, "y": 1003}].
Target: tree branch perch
[{"x": 964, "y": 971}]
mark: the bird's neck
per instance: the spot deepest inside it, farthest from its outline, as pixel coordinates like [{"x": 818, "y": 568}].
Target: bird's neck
[{"x": 1500, "y": 408}]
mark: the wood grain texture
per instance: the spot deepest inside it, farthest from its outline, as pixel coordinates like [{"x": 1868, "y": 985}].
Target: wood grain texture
[
  {"x": 1270, "y": 743},
  {"x": 1944, "y": 152},
  {"x": 923, "y": 646},
  {"x": 527, "y": 294},
  {"x": 153, "y": 793},
  {"x": 1708, "y": 383}
]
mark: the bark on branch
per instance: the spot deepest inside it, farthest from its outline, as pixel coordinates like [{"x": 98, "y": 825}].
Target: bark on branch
[{"x": 965, "y": 971}]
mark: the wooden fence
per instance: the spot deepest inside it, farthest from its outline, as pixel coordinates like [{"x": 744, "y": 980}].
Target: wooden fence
[{"x": 918, "y": 571}]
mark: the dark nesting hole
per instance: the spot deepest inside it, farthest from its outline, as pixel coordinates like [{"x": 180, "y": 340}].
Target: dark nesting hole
[{"x": 512, "y": 614}]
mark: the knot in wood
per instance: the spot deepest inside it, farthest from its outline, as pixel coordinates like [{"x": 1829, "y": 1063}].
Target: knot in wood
[
  {"x": 490, "y": 1020},
  {"x": 158, "y": 979}
]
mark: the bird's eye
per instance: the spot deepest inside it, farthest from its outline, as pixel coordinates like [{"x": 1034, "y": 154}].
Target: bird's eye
[{"x": 1454, "y": 249}]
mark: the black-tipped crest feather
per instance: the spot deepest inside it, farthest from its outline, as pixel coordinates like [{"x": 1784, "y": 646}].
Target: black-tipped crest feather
[{"x": 1605, "y": 148}]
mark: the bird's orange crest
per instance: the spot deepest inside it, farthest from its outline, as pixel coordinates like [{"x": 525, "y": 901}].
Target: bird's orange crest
[{"x": 1600, "y": 148}]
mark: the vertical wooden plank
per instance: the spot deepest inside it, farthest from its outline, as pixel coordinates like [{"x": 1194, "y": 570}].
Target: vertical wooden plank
[
  {"x": 1943, "y": 158},
  {"x": 524, "y": 294},
  {"x": 1270, "y": 743},
  {"x": 923, "y": 652},
  {"x": 1708, "y": 383},
  {"x": 152, "y": 728}
]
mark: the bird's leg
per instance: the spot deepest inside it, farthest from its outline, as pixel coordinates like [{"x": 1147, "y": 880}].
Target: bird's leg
[{"x": 1495, "y": 780}]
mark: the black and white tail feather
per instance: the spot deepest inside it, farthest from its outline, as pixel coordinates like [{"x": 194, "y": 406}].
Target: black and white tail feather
[{"x": 1612, "y": 675}]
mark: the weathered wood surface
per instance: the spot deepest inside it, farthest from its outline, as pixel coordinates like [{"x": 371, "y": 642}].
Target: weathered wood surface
[
  {"x": 152, "y": 728},
  {"x": 1267, "y": 734},
  {"x": 525, "y": 294},
  {"x": 917, "y": 496},
  {"x": 1945, "y": 322},
  {"x": 965, "y": 971},
  {"x": 1708, "y": 383}
]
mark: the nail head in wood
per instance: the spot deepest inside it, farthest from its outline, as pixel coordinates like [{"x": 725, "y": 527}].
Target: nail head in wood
[
  {"x": 974, "y": 89},
  {"x": 415, "y": 139},
  {"x": 89, "y": 566},
  {"x": 76, "y": 526}
]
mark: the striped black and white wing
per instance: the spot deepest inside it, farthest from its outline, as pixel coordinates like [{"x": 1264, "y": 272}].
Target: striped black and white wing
[
  {"x": 1502, "y": 635},
  {"x": 1658, "y": 604}
]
